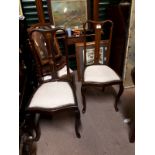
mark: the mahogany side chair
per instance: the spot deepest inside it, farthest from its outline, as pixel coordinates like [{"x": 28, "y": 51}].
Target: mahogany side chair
[
  {"x": 58, "y": 92},
  {"x": 96, "y": 71}
]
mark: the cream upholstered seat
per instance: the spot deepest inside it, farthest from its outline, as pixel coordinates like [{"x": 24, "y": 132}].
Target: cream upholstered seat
[
  {"x": 100, "y": 73},
  {"x": 52, "y": 95}
]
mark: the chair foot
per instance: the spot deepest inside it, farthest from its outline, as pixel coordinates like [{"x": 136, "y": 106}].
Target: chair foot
[
  {"x": 32, "y": 125},
  {"x": 121, "y": 89},
  {"x": 78, "y": 135},
  {"x": 83, "y": 110},
  {"x": 116, "y": 108},
  {"x": 132, "y": 132},
  {"x": 132, "y": 137},
  {"x": 77, "y": 123},
  {"x": 83, "y": 90}
]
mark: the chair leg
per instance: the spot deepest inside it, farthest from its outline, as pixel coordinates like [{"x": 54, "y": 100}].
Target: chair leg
[
  {"x": 103, "y": 88},
  {"x": 77, "y": 122},
  {"x": 37, "y": 127},
  {"x": 83, "y": 90},
  {"x": 118, "y": 96},
  {"x": 132, "y": 132}
]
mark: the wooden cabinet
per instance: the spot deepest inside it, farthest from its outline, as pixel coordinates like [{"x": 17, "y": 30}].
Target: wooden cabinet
[
  {"x": 119, "y": 12},
  {"x": 120, "y": 15},
  {"x": 26, "y": 76}
]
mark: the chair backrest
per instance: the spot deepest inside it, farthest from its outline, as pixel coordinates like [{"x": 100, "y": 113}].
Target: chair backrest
[
  {"x": 46, "y": 50},
  {"x": 97, "y": 46},
  {"x": 39, "y": 40}
]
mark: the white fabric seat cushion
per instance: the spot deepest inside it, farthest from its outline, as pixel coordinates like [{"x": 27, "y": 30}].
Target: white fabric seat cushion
[
  {"x": 53, "y": 95},
  {"x": 100, "y": 73},
  {"x": 61, "y": 73}
]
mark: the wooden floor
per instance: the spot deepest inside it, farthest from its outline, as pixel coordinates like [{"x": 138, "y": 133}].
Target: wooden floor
[{"x": 103, "y": 130}]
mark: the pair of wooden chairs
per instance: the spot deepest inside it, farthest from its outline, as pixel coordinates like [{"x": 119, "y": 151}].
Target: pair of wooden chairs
[{"x": 56, "y": 85}]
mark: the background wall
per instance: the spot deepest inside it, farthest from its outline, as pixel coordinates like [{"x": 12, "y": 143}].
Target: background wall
[
  {"x": 20, "y": 9},
  {"x": 130, "y": 51}
]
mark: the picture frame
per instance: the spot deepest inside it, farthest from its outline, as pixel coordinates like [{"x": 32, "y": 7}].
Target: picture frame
[
  {"x": 89, "y": 55},
  {"x": 67, "y": 13}
]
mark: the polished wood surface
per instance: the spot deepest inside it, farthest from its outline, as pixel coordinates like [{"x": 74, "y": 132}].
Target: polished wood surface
[
  {"x": 96, "y": 10},
  {"x": 40, "y": 11}
]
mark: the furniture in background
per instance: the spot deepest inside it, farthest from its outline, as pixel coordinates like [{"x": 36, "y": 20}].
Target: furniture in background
[
  {"x": 118, "y": 11},
  {"x": 96, "y": 72},
  {"x": 29, "y": 134},
  {"x": 27, "y": 79},
  {"x": 41, "y": 12},
  {"x": 29, "y": 131},
  {"x": 120, "y": 15},
  {"x": 57, "y": 92},
  {"x": 38, "y": 10}
]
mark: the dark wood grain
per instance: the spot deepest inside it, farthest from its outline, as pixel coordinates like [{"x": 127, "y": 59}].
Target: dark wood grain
[{"x": 40, "y": 11}]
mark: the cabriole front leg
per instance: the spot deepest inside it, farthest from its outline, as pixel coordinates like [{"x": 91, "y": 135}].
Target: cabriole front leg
[
  {"x": 77, "y": 122},
  {"x": 121, "y": 88},
  {"x": 83, "y": 91}
]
